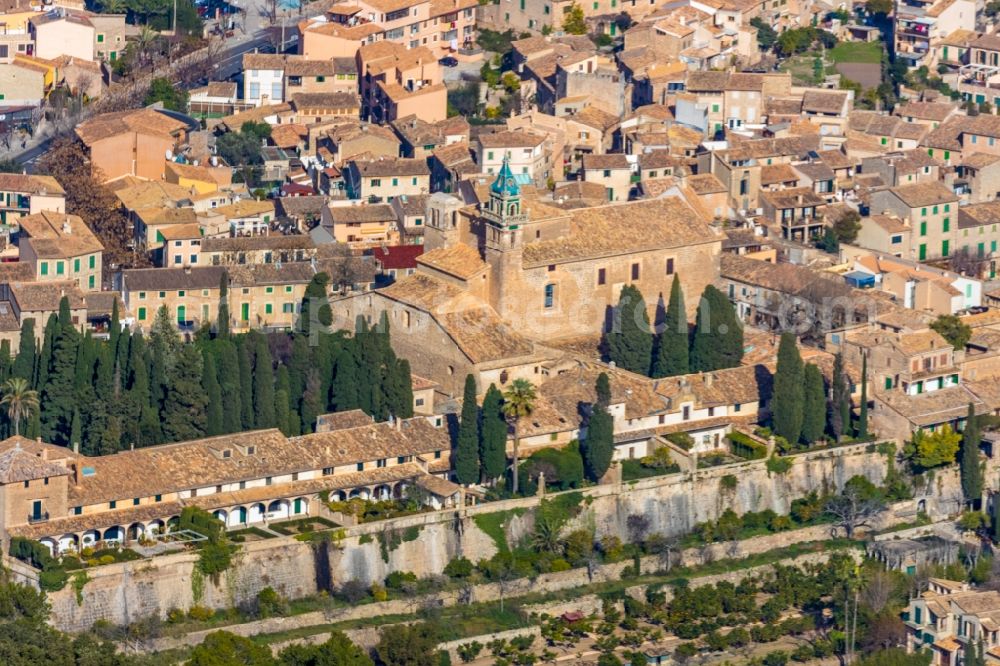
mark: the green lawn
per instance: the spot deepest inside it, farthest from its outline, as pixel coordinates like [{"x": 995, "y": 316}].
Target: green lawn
[{"x": 867, "y": 52}]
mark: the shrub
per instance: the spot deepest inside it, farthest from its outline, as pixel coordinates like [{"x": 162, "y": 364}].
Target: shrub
[
  {"x": 469, "y": 651},
  {"x": 460, "y": 567},
  {"x": 559, "y": 564},
  {"x": 106, "y": 559},
  {"x": 270, "y": 603},
  {"x": 175, "y": 616},
  {"x": 681, "y": 439},
  {"x": 397, "y": 579},
  {"x": 728, "y": 482},
  {"x": 777, "y": 465},
  {"x": 53, "y": 579},
  {"x": 201, "y": 613},
  {"x": 378, "y": 592},
  {"x": 352, "y": 591}
]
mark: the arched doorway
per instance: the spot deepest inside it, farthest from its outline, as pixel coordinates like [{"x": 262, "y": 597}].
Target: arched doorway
[
  {"x": 115, "y": 533},
  {"x": 238, "y": 516},
  {"x": 136, "y": 531},
  {"x": 68, "y": 542},
  {"x": 90, "y": 537},
  {"x": 221, "y": 515},
  {"x": 257, "y": 513},
  {"x": 300, "y": 506},
  {"x": 277, "y": 510}
]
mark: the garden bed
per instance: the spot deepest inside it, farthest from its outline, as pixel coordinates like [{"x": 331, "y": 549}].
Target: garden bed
[
  {"x": 302, "y": 525},
  {"x": 249, "y": 534}
]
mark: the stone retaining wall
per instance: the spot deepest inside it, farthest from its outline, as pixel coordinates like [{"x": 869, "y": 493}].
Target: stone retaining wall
[{"x": 425, "y": 543}]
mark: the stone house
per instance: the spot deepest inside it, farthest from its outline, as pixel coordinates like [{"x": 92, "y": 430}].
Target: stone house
[
  {"x": 887, "y": 234},
  {"x": 917, "y": 286},
  {"x": 131, "y": 143},
  {"x": 977, "y": 178},
  {"x": 60, "y": 32},
  {"x": 524, "y": 150},
  {"x": 68, "y": 501},
  {"x": 28, "y": 194},
  {"x": 23, "y": 83},
  {"x": 386, "y": 178},
  {"x": 361, "y": 225},
  {"x": 61, "y": 247},
  {"x": 930, "y": 208},
  {"x": 798, "y": 212},
  {"x": 949, "y": 617},
  {"x": 612, "y": 171}
]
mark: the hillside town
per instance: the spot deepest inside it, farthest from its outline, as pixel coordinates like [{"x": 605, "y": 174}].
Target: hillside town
[{"x": 499, "y": 332}]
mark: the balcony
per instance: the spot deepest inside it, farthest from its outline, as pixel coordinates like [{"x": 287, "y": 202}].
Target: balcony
[{"x": 34, "y": 518}]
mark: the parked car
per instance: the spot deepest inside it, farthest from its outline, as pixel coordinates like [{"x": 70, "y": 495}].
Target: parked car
[{"x": 448, "y": 61}]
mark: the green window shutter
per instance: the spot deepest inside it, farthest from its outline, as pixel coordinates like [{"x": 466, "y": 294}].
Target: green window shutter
[
  {"x": 245, "y": 312},
  {"x": 76, "y": 265},
  {"x": 946, "y": 224},
  {"x": 142, "y": 314},
  {"x": 923, "y": 228},
  {"x": 60, "y": 268},
  {"x": 90, "y": 281},
  {"x": 922, "y": 254},
  {"x": 93, "y": 261},
  {"x": 267, "y": 308},
  {"x": 45, "y": 268},
  {"x": 944, "y": 248}
]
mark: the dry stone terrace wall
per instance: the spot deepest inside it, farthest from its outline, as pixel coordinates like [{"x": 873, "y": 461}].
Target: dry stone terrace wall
[{"x": 425, "y": 543}]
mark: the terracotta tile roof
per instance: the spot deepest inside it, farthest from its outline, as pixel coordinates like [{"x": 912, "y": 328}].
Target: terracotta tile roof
[
  {"x": 45, "y": 296},
  {"x": 946, "y": 136},
  {"x": 706, "y": 81},
  {"x": 836, "y": 159},
  {"x": 591, "y": 116},
  {"x": 977, "y": 215},
  {"x": 325, "y": 100},
  {"x": 823, "y": 101},
  {"x": 17, "y": 465},
  {"x": 704, "y": 183},
  {"x": 454, "y": 155},
  {"x": 289, "y": 135},
  {"x": 919, "y": 195},
  {"x": 172, "y": 279},
  {"x": 198, "y": 172},
  {"x": 163, "y": 216},
  {"x": 783, "y": 107},
  {"x": 245, "y": 208},
  {"x": 623, "y": 229},
  {"x": 772, "y": 174},
  {"x": 354, "y": 418},
  {"x": 143, "y": 121},
  {"x": 459, "y": 260},
  {"x": 475, "y": 327},
  {"x": 291, "y": 272},
  {"x": 928, "y": 409},
  {"x": 795, "y": 197},
  {"x": 181, "y": 231},
  {"x": 362, "y": 213},
  {"x": 508, "y": 139},
  {"x": 387, "y": 167},
  {"x": 152, "y": 194},
  {"x": 608, "y": 161},
  {"x": 29, "y": 184},
  {"x": 58, "y": 235},
  {"x": 251, "y": 243},
  {"x": 660, "y": 159},
  {"x": 937, "y": 111}
]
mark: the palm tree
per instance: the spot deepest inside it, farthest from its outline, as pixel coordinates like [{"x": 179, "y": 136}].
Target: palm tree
[
  {"x": 144, "y": 42},
  {"x": 518, "y": 402},
  {"x": 21, "y": 401}
]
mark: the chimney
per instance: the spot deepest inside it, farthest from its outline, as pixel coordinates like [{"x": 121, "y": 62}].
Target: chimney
[
  {"x": 76, "y": 448},
  {"x": 44, "y": 454},
  {"x": 709, "y": 378},
  {"x": 398, "y": 422}
]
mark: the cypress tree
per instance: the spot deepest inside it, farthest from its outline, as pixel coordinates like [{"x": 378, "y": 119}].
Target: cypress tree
[
  {"x": 150, "y": 427},
  {"x": 111, "y": 435},
  {"x": 369, "y": 366},
  {"x": 344, "y": 389},
  {"x": 263, "y": 383},
  {"x": 43, "y": 361},
  {"x": 788, "y": 395},
  {"x": 222, "y": 325},
  {"x": 324, "y": 356},
  {"x": 298, "y": 366},
  {"x": 75, "y": 429},
  {"x": 403, "y": 390},
  {"x": 863, "y": 409},
  {"x": 837, "y": 391},
  {"x": 493, "y": 433},
  {"x": 157, "y": 377},
  {"x": 58, "y": 396},
  {"x": 214, "y": 420},
  {"x": 229, "y": 370},
  {"x": 5, "y": 360},
  {"x": 163, "y": 337},
  {"x": 312, "y": 401},
  {"x": 630, "y": 340},
  {"x": 246, "y": 385},
  {"x": 184, "y": 408},
  {"x": 114, "y": 328},
  {"x": 24, "y": 363},
  {"x": 814, "y": 406},
  {"x": 281, "y": 411},
  {"x": 599, "y": 446},
  {"x": 971, "y": 468},
  {"x": 35, "y": 425},
  {"x": 315, "y": 309},
  {"x": 718, "y": 334},
  {"x": 467, "y": 440},
  {"x": 672, "y": 357},
  {"x": 65, "y": 315}
]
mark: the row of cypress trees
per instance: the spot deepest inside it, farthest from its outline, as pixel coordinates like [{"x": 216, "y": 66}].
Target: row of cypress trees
[
  {"x": 715, "y": 343},
  {"x": 132, "y": 389},
  {"x": 481, "y": 435}
]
